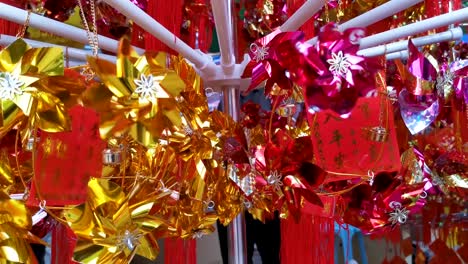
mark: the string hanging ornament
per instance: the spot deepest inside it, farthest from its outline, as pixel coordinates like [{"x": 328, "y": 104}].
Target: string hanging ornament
[{"x": 92, "y": 34}]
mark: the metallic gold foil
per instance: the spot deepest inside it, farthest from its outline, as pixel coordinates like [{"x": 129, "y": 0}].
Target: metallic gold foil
[
  {"x": 15, "y": 221},
  {"x": 141, "y": 91},
  {"x": 39, "y": 99},
  {"x": 109, "y": 229}
]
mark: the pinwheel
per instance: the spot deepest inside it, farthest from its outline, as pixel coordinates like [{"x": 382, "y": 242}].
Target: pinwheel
[
  {"x": 33, "y": 89},
  {"x": 341, "y": 76},
  {"x": 288, "y": 172},
  {"x": 137, "y": 91},
  {"x": 14, "y": 226},
  {"x": 110, "y": 229},
  {"x": 264, "y": 64}
]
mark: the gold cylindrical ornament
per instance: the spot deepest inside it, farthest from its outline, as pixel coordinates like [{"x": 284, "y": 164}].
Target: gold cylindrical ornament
[
  {"x": 111, "y": 157},
  {"x": 377, "y": 134},
  {"x": 30, "y": 144}
]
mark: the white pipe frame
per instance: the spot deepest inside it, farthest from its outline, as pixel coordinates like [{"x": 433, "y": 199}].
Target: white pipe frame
[
  {"x": 302, "y": 15},
  {"x": 19, "y": 16},
  {"x": 415, "y": 28},
  {"x": 379, "y": 13},
  {"x": 222, "y": 12},
  {"x": 201, "y": 61},
  {"x": 403, "y": 54},
  {"x": 449, "y": 35},
  {"x": 73, "y": 53}
]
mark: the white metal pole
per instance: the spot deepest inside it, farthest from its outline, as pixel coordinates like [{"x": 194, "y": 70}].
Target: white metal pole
[
  {"x": 415, "y": 28},
  {"x": 222, "y": 11},
  {"x": 73, "y": 53},
  {"x": 403, "y": 54},
  {"x": 236, "y": 231},
  {"x": 379, "y": 13},
  {"x": 201, "y": 61},
  {"x": 449, "y": 35},
  {"x": 19, "y": 16},
  {"x": 304, "y": 13},
  {"x": 225, "y": 28}
]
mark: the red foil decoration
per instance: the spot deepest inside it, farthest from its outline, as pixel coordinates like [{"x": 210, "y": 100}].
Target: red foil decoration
[
  {"x": 56, "y": 167},
  {"x": 341, "y": 76},
  {"x": 291, "y": 158},
  {"x": 61, "y": 10},
  {"x": 197, "y": 24}
]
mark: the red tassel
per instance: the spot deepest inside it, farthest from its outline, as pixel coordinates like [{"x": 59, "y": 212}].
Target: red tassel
[
  {"x": 138, "y": 36},
  {"x": 456, "y": 4},
  {"x": 7, "y": 27},
  {"x": 168, "y": 14},
  {"x": 205, "y": 34},
  {"x": 180, "y": 251},
  {"x": 63, "y": 245},
  {"x": 311, "y": 240}
]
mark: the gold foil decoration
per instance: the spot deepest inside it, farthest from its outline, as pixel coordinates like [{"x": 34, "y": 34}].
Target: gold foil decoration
[
  {"x": 109, "y": 229},
  {"x": 413, "y": 173},
  {"x": 6, "y": 173},
  {"x": 34, "y": 89},
  {"x": 141, "y": 90},
  {"x": 15, "y": 221}
]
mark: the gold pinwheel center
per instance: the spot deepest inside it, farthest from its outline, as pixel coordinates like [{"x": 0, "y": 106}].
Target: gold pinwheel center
[
  {"x": 129, "y": 239},
  {"x": 147, "y": 86},
  {"x": 197, "y": 235},
  {"x": 10, "y": 86},
  {"x": 188, "y": 131}
]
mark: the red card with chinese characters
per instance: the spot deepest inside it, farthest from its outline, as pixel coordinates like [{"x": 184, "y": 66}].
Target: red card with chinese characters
[
  {"x": 341, "y": 145},
  {"x": 66, "y": 160}
]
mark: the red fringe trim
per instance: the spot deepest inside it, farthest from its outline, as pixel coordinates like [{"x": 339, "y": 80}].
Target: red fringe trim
[
  {"x": 7, "y": 27},
  {"x": 312, "y": 239},
  {"x": 63, "y": 244},
  {"x": 309, "y": 241},
  {"x": 180, "y": 251},
  {"x": 168, "y": 14}
]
